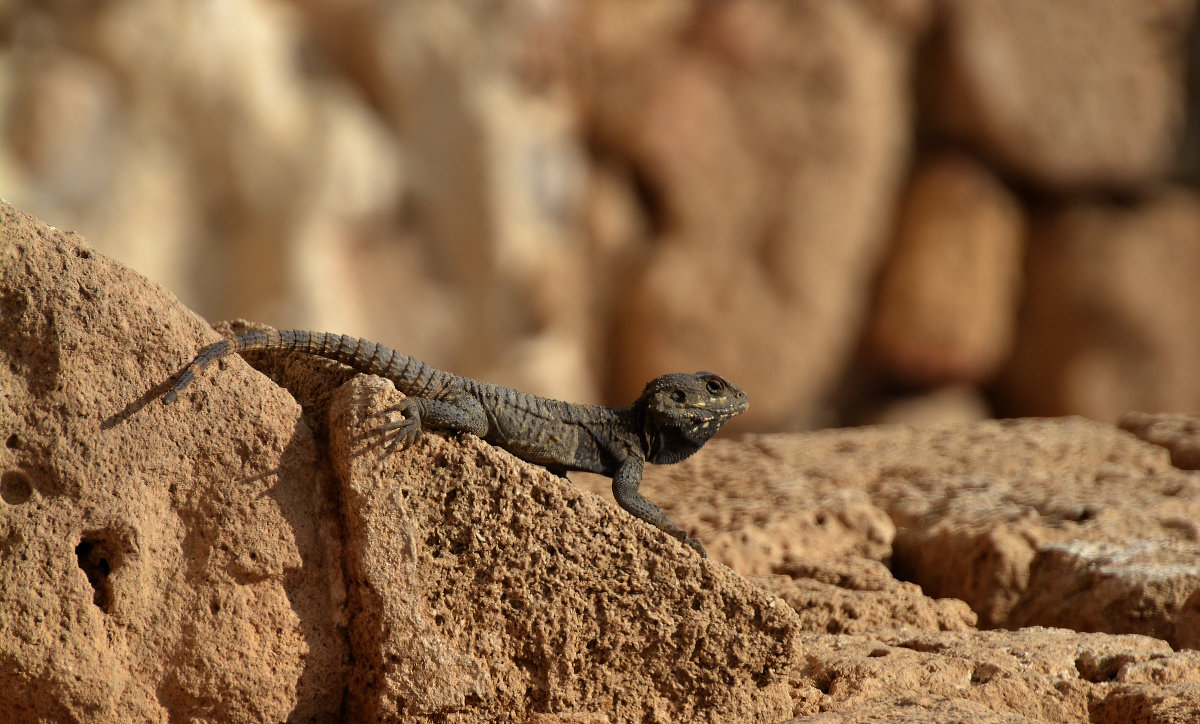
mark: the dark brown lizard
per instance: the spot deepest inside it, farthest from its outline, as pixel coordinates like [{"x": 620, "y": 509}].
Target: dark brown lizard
[{"x": 672, "y": 418}]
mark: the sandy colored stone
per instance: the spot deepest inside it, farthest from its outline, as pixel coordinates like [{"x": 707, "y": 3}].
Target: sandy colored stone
[
  {"x": 236, "y": 557},
  {"x": 954, "y": 404},
  {"x": 1038, "y": 673},
  {"x": 917, "y": 709},
  {"x": 1064, "y": 521},
  {"x": 1174, "y": 704},
  {"x": 1100, "y": 586},
  {"x": 765, "y": 142},
  {"x": 1187, "y": 626},
  {"x": 945, "y": 309},
  {"x": 755, "y": 512},
  {"x": 1067, "y": 94},
  {"x": 517, "y": 592},
  {"x": 1111, "y": 306},
  {"x": 1178, "y": 433},
  {"x": 859, "y": 595},
  {"x": 157, "y": 562}
]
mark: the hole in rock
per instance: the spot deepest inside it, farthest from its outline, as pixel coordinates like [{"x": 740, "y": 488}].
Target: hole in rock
[
  {"x": 94, "y": 560},
  {"x": 15, "y": 487},
  {"x": 13, "y": 442}
]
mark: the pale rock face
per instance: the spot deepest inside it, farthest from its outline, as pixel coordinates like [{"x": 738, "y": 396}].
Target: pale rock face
[
  {"x": 768, "y": 142},
  {"x": 1066, "y": 94},
  {"x": 150, "y": 567},
  {"x": 574, "y": 199},
  {"x": 1110, "y": 308}
]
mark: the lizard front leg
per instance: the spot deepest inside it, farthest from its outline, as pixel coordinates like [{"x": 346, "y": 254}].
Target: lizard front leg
[
  {"x": 625, "y": 489},
  {"x": 460, "y": 412}
]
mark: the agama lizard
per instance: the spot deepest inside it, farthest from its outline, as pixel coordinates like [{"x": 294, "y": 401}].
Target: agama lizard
[{"x": 672, "y": 418}]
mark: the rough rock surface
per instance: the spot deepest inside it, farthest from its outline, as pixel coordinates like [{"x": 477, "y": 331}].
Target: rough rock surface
[
  {"x": 156, "y": 560},
  {"x": 1041, "y": 675},
  {"x": 1061, "y": 522},
  {"x": 946, "y": 306},
  {"x": 1043, "y": 87},
  {"x": 239, "y": 557},
  {"x": 858, "y": 595},
  {"x": 1100, "y": 334},
  {"x": 696, "y": 98},
  {"x": 1178, "y": 433},
  {"x": 513, "y": 590}
]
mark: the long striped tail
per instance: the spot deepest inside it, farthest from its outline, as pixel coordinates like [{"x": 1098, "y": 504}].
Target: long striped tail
[{"x": 410, "y": 376}]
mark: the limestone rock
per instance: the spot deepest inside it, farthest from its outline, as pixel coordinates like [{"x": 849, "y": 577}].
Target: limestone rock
[
  {"x": 860, "y": 595},
  {"x": 238, "y": 557},
  {"x": 517, "y": 592},
  {"x": 1063, "y": 522},
  {"x": 152, "y": 555},
  {"x": 1036, "y": 673},
  {"x": 1076, "y": 93},
  {"x": 1111, "y": 306},
  {"x": 1178, "y": 433},
  {"x": 945, "y": 311},
  {"x": 766, "y": 142}
]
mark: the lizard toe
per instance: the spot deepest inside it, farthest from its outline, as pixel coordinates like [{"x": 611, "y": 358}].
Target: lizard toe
[{"x": 408, "y": 435}]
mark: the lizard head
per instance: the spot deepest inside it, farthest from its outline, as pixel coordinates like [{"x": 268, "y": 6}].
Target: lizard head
[{"x": 680, "y": 412}]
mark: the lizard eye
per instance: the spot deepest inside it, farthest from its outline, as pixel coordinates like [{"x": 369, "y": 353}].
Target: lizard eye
[
  {"x": 714, "y": 386},
  {"x": 678, "y": 396}
]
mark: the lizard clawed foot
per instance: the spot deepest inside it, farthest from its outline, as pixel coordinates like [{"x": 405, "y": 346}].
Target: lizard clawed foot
[{"x": 409, "y": 425}]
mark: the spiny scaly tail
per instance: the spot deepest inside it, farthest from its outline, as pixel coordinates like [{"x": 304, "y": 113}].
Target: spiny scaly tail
[{"x": 410, "y": 376}]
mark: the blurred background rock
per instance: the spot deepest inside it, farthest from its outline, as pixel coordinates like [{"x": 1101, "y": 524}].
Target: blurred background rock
[{"x": 859, "y": 210}]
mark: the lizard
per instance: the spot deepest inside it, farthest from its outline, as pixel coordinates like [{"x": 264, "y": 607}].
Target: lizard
[{"x": 672, "y": 418}]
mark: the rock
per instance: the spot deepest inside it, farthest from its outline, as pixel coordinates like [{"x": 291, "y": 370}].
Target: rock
[
  {"x": 1179, "y": 433},
  {"x": 515, "y": 592},
  {"x": 766, "y": 143},
  {"x": 1101, "y": 586},
  {"x": 1187, "y": 623},
  {"x": 945, "y": 311},
  {"x": 859, "y": 595},
  {"x": 755, "y": 514},
  {"x": 236, "y": 557},
  {"x": 1175, "y": 704},
  {"x": 917, "y": 709},
  {"x": 1070, "y": 94},
  {"x": 1051, "y": 522},
  {"x": 1039, "y": 674},
  {"x": 152, "y": 555},
  {"x": 1110, "y": 308},
  {"x": 955, "y": 404}
]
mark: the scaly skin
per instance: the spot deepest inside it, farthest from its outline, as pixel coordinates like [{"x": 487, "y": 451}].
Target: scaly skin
[{"x": 672, "y": 418}]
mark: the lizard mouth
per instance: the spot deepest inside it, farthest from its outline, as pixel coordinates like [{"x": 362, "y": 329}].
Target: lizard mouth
[{"x": 708, "y": 414}]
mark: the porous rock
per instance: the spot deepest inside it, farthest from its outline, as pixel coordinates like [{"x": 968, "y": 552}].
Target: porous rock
[
  {"x": 860, "y": 595},
  {"x": 1064, "y": 522},
  {"x": 234, "y": 557},
  {"x": 1072, "y": 93},
  {"x": 766, "y": 142},
  {"x": 516, "y": 591},
  {"x": 185, "y": 561},
  {"x": 1179, "y": 433},
  {"x": 158, "y": 562}
]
